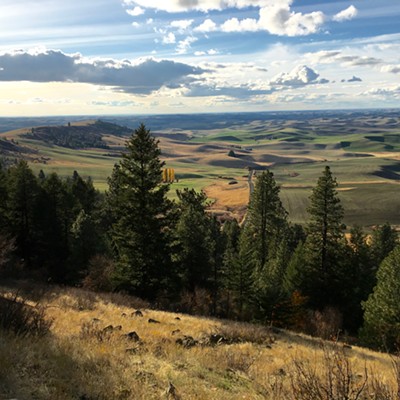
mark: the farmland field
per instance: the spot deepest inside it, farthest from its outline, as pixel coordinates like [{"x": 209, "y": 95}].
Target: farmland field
[{"x": 215, "y": 151}]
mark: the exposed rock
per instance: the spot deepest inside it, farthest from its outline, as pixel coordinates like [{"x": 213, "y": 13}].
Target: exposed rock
[
  {"x": 133, "y": 336},
  {"x": 108, "y": 329},
  {"x": 172, "y": 393},
  {"x": 137, "y": 313},
  {"x": 187, "y": 342}
]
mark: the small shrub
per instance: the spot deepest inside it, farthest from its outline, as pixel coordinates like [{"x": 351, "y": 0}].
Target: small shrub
[
  {"x": 122, "y": 299},
  {"x": 334, "y": 381},
  {"x": 22, "y": 319},
  {"x": 79, "y": 300},
  {"x": 99, "y": 277},
  {"x": 242, "y": 332},
  {"x": 198, "y": 302},
  {"x": 327, "y": 323}
]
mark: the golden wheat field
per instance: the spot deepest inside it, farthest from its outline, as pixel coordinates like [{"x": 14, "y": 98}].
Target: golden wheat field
[{"x": 91, "y": 352}]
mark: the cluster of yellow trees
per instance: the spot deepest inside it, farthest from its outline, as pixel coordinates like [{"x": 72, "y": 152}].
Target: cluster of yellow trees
[{"x": 168, "y": 175}]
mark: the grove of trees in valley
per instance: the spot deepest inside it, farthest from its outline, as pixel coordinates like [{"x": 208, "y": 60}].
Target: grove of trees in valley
[{"x": 176, "y": 254}]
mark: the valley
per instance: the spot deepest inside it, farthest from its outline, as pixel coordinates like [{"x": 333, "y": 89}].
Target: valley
[{"x": 214, "y": 152}]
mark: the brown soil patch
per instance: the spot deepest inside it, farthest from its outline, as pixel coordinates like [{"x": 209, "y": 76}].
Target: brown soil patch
[{"x": 230, "y": 200}]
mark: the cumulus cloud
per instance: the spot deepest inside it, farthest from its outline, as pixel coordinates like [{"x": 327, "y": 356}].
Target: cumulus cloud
[
  {"x": 182, "y": 24},
  {"x": 169, "y": 39},
  {"x": 345, "y": 15},
  {"x": 244, "y": 25},
  {"x": 327, "y": 57},
  {"x": 210, "y": 52},
  {"x": 195, "y": 5},
  {"x": 142, "y": 77},
  {"x": 185, "y": 44},
  {"x": 384, "y": 93},
  {"x": 275, "y": 16},
  {"x": 207, "y": 26},
  {"x": 299, "y": 76},
  {"x": 394, "y": 69},
  {"x": 135, "y": 12}
]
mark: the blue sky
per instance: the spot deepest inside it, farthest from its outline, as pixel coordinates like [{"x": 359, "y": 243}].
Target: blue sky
[{"x": 179, "y": 56}]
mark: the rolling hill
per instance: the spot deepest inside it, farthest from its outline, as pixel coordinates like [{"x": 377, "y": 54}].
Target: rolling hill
[{"x": 361, "y": 147}]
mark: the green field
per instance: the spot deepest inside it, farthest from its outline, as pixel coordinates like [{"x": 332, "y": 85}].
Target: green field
[{"x": 363, "y": 153}]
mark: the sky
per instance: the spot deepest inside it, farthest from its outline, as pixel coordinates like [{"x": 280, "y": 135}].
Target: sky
[{"x": 98, "y": 57}]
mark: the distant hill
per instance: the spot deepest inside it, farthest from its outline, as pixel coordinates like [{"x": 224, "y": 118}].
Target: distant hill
[{"x": 77, "y": 136}]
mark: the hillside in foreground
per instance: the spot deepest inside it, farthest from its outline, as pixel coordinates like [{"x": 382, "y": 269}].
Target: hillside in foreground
[{"x": 91, "y": 352}]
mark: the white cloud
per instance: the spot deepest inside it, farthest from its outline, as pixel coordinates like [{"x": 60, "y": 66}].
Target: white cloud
[
  {"x": 211, "y": 52},
  {"x": 184, "y": 45},
  {"x": 345, "y": 15},
  {"x": 135, "y": 12},
  {"x": 207, "y": 26},
  {"x": 394, "y": 69},
  {"x": 182, "y": 24},
  {"x": 169, "y": 39},
  {"x": 387, "y": 93},
  {"x": 275, "y": 16},
  {"x": 278, "y": 19},
  {"x": 244, "y": 25},
  {"x": 195, "y": 5},
  {"x": 299, "y": 76}
]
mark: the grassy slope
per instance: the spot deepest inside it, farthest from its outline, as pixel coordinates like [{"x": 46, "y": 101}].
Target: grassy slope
[
  {"x": 73, "y": 363},
  {"x": 296, "y": 151}
]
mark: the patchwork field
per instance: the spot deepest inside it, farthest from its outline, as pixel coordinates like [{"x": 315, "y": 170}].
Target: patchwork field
[{"x": 215, "y": 153}]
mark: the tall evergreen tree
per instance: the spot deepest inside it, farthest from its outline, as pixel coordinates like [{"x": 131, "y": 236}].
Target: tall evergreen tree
[
  {"x": 56, "y": 217},
  {"x": 382, "y": 309},
  {"x": 194, "y": 243},
  {"x": 383, "y": 240},
  {"x": 137, "y": 199},
  {"x": 325, "y": 244},
  {"x": 22, "y": 207},
  {"x": 261, "y": 244},
  {"x": 265, "y": 222},
  {"x": 3, "y": 197}
]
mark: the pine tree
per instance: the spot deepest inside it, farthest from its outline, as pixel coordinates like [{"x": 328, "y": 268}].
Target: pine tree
[
  {"x": 383, "y": 240},
  {"x": 261, "y": 244},
  {"x": 22, "y": 207},
  {"x": 137, "y": 200},
  {"x": 324, "y": 274},
  {"x": 194, "y": 244},
  {"x": 3, "y": 201},
  {"x": 265, "y": 222},
  {"x": 382, "y": 309},
  {"x": 55, "y": 212}
]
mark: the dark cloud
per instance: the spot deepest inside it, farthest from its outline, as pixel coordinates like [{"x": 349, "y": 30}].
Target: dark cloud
[
  {"x": 354, "y": 79},
  {"x": 55, "y": 66}
]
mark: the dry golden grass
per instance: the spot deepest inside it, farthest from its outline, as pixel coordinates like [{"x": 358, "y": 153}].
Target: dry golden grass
[{"x": 80, "y": 361}]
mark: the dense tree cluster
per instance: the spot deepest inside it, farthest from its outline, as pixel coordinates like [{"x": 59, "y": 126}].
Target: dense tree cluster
[{"x": 177, "y": 254}]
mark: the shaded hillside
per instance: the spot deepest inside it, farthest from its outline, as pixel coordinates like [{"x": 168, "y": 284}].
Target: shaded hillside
[
  {"x": 77, "y": 136},
  {"x": 101, "y": 347}
]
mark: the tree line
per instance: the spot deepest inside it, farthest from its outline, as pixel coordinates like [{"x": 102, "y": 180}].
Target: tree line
[{"x": 179, "y": 256}]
